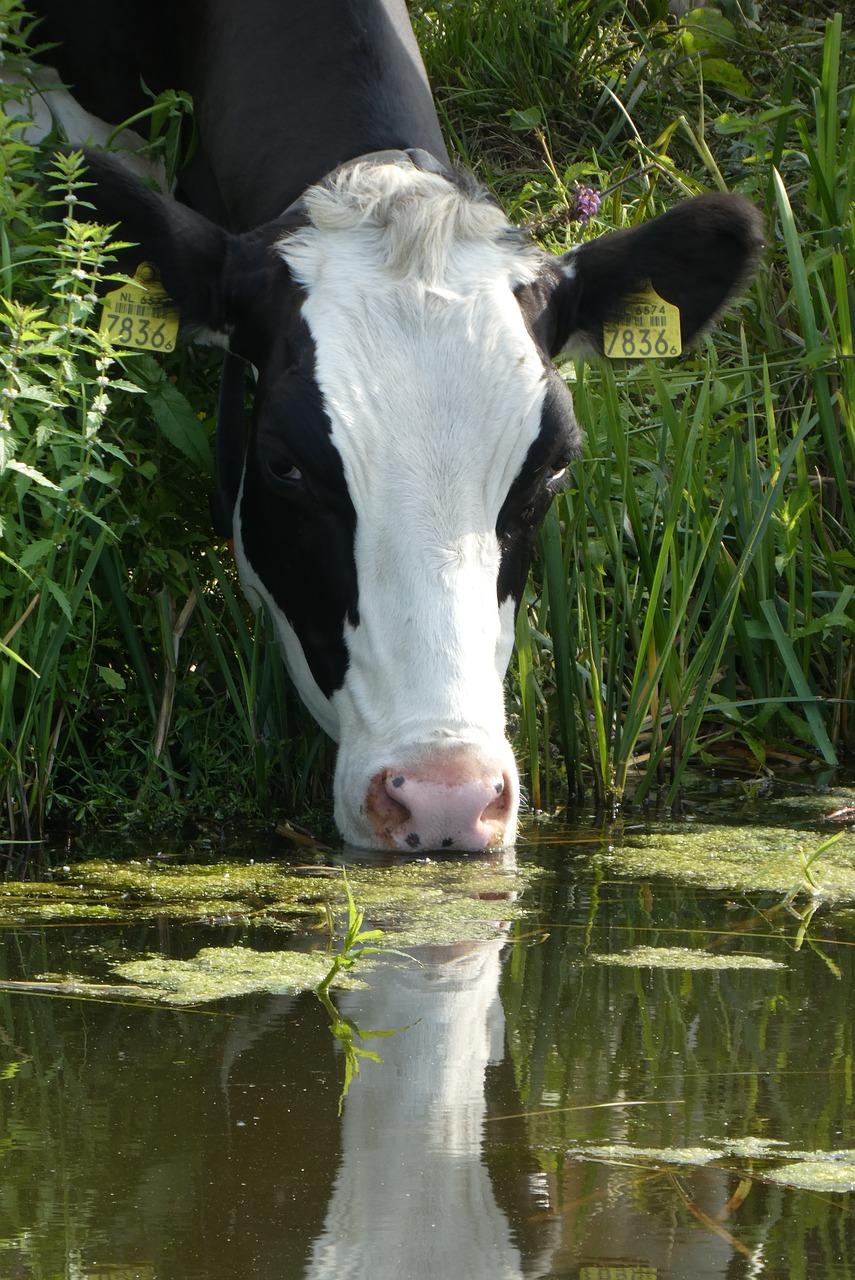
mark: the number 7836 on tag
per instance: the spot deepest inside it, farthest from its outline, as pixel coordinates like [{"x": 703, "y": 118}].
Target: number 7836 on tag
[
  {"x": 141, "y": 314},
  {"x": 648, "y": 327},
  {"x": 148, "y": 333}
]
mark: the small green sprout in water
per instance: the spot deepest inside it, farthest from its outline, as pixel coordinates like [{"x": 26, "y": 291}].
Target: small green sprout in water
[
  {"x": 807, "y": 862},
  {"x": 356, "y": 944}
]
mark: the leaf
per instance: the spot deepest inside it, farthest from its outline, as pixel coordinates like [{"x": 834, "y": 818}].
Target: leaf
[
  {"x": 112, "y": 678},
  {"x": 176, "y": 419},
  {"x": 709, "y": 31},
  {"x": 719, "y": 71},
  {"x": 523, "y": 121},
  {"x": 16, "y": 657},
  {"x": 172, "y": 412},
  {"x": 100, "y": 476},
  {"x": 60, "y": 597},
  {"x": 35, "y": 552},
  {"x": 32, "y": 474}
]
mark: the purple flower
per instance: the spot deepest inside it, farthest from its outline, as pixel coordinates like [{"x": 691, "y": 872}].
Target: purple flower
[{"x": 584, "y": 204}]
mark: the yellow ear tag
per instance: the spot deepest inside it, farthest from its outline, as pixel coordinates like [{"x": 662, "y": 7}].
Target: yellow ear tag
[
  {"x": 141, "y": 314},
  {"x": 648, "y": 328}
]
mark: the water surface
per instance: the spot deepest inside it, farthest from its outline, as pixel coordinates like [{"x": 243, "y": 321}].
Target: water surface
[{"x": 565, "y": 1093}]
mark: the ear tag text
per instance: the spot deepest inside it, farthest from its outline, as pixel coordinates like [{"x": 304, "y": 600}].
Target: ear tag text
[
  {"x": 648, "y": 328},
  {"x": 141, "y": 314}
]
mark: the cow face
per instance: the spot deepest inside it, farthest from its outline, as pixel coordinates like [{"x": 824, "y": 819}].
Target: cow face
[
  {"x": 401, "y": 462},
  {"x": 409, "y": 434}
]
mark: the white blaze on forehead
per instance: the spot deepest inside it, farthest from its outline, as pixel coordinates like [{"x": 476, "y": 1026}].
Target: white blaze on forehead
[{"x": 434, "y": 389}]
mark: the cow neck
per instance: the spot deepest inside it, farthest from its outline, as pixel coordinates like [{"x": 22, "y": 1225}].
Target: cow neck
[{"x": 230, "y": 442}]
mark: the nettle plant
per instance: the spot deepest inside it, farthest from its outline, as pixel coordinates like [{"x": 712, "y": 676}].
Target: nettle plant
[
  {"x": 59, "y": 468},
  {"x": 125, "y": 653}
]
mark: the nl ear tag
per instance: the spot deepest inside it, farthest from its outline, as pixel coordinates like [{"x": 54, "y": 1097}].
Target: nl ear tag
[
  {"x": 141, "y": 314},
  {"x": 647, "y": 328}
]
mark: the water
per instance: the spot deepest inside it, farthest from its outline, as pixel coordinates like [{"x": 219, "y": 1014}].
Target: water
[{"x": 539, "y": 1111}]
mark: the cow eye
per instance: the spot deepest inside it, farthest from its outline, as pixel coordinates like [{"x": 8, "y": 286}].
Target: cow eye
[
  {"x": 557, "y": 473},
  {"x": 283, "y": 476}
]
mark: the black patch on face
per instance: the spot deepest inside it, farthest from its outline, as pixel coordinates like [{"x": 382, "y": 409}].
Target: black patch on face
[
  {"x": 297, "y": 520},
  {"x": 557, "y": 444}
]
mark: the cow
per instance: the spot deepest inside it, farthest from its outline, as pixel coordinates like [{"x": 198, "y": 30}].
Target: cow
[{"x": 409, "y": 428}]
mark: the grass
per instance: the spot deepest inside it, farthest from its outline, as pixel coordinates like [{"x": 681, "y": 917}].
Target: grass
[{"x": 692, "y": 601}]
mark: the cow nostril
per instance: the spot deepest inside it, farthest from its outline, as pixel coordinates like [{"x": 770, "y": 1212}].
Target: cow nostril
[
  {"x": 501, "y": 801},
  {"x": 386, "y": 808}
]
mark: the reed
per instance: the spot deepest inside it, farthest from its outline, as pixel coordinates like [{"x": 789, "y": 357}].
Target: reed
[{"x": 707, "y": 535}]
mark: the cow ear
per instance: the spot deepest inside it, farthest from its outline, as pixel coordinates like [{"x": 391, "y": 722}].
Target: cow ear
[
  {"x": 695, "y": 256},
  {"x": 188, "y": 250}
]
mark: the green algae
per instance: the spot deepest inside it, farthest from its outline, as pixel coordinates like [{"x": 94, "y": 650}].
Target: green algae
[
  {"x": 753, "y": 1148},
  {"x": 618, "y": 1153},
  {"x": 417, "y": 904},
  {"x": 744, "y": 858},
  {"x": 817, "y": 1171},
  {"x": 217, "y": 973},
  {"x": 801, "y": 1170},
  {"x": 429, "y": 901},
  {"x": 683, "y": 958}
]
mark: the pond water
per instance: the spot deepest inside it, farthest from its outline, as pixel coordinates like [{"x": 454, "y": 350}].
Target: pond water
[{"x": 591, "y": 1068}]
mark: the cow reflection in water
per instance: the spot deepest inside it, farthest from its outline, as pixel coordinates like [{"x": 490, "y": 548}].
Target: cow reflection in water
[{"x": 413, "y": 1197}]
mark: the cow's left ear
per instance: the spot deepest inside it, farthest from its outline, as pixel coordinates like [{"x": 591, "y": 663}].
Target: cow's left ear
[{"x": 695, "y": 256}]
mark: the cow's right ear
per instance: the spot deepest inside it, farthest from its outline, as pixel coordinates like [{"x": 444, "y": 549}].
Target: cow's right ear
[
  {"x": 696, "y": 256},
  {"x": 188, "y": 250}
]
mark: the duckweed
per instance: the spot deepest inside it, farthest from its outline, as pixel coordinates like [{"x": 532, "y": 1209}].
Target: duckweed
[
  {"x": 684, "y": 958},
  {"x": 804, "y": 1170},
  {"x": 740, "y": 857},
  {"x": 430, "y": 901},
  {"x": 217, "y": 973}
]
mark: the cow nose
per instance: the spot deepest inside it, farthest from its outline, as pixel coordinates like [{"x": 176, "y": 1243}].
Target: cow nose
[{"x": 451, "y": 802}]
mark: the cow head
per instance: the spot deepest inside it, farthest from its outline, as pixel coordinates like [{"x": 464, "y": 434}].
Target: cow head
[{"x": 409, "y": 434}]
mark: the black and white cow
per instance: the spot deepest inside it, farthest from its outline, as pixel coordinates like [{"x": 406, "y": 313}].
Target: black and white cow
[{"x": 409, "y": 428}]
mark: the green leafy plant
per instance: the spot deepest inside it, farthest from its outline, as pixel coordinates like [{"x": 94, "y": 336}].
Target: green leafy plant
[{"x": 356, "y": 944}]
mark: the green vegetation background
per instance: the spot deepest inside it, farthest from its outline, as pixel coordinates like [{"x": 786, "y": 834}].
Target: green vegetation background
[{"x": 693, "y": 595}]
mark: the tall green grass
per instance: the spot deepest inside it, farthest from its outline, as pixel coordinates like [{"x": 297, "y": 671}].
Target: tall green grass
[
  {"x": 694, "y": 599},
  {"x": 132, "y": 681}
]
